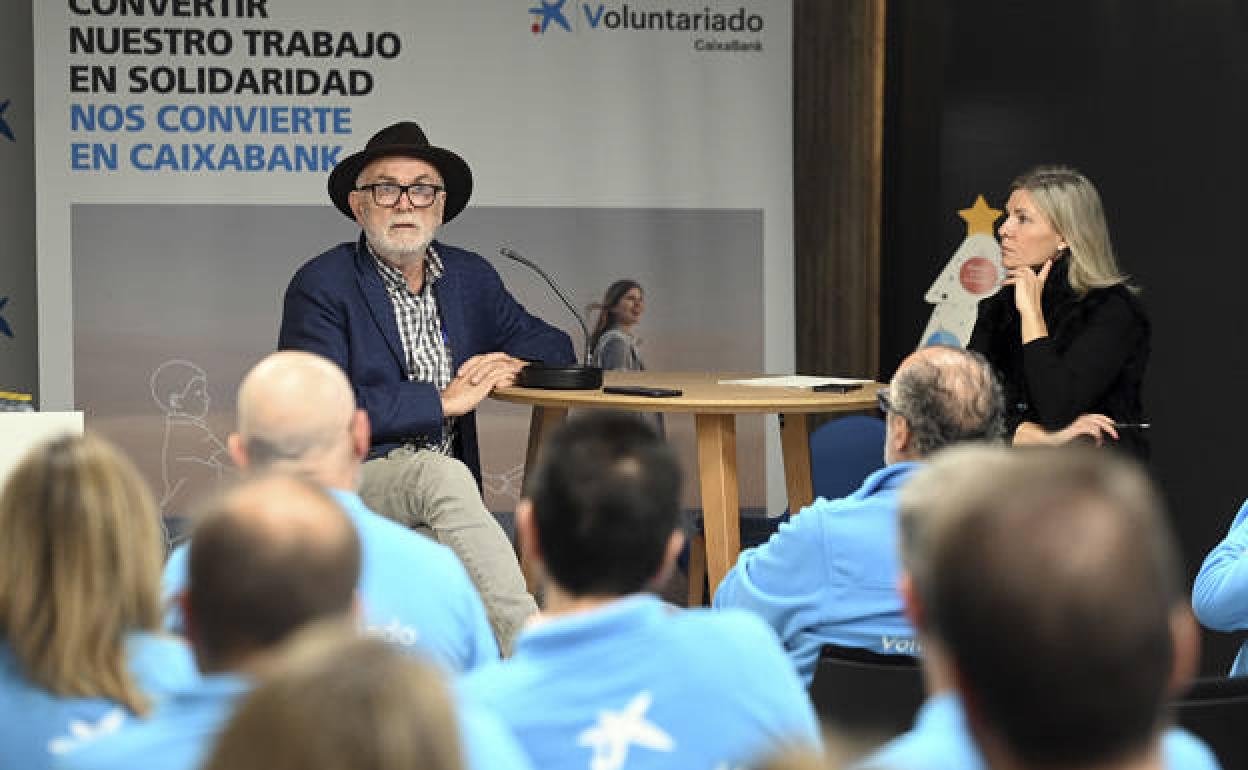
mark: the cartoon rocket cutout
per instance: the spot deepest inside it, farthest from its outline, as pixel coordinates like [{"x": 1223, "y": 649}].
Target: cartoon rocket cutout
[{"x": 973, "y": 273}]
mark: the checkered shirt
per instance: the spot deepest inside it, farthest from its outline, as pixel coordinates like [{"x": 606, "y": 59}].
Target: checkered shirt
[{"x": 420, "y": 329}]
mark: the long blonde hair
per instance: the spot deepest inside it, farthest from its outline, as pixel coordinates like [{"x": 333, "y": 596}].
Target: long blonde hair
[
  {"x": 80, "y": 561},
  {"x": 1073, "y": 206},
  {"x": 333, "y": 700}
]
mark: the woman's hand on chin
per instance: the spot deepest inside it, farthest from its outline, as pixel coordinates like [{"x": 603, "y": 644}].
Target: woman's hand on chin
[
  {"x": 1028, "y": 289},
  {"x": 1086, "y": 427}
]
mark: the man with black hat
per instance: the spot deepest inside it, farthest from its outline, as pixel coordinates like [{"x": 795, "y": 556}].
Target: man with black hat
[{"x": 424, "y": 332}]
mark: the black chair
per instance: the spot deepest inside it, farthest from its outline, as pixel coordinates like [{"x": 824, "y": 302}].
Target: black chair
[
  {"x": 1216, "y": 709},
  {"x": 866, "y": 695}
]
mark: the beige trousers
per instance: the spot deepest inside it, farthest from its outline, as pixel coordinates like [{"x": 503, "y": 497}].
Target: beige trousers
[{"x": 433, "y": 493}]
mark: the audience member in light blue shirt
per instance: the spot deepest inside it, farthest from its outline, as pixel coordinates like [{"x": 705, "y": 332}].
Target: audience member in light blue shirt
[
  {"x": 80, "y": 553},
  {"x": 184, "y": 728},
  {"x": 829, "y": 576},
  {"x": 175, "y": 737},
  {"x": 335, "y": 700},
  {"x": 611, "y": 678},
  {"x": 36, "y": 725},
  {"x": 1220, "y": 594},
  {"x": 1045, "y": 588},
  {"x": 413, "y": 592},
  {"x": 297, "y": 414},
  {"x": 941, "y": 740},
  {"x": 274, "y": 554}
]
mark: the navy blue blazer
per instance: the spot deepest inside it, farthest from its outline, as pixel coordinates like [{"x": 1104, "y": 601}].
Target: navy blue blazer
[{"x": 337, "y": 306}]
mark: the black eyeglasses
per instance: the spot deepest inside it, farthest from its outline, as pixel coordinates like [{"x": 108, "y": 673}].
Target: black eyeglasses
[{"x": 387, "y": 194}]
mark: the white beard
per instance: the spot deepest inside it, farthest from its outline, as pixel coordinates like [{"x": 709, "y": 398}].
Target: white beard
[{"x": 400, "y": 250}]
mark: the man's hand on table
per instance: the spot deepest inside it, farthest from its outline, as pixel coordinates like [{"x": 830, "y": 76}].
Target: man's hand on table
[{"x": 476, "y": 378}]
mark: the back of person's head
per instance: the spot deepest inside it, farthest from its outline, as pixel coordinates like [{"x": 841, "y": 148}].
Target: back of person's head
[
  {"x": 296, "y": 414},
  {"x": 931, "y": 500},
  {"x": 1070, "y": 202},
  {"x": 1054, "y": 592},
  {"x": 947, "y": 395},
  {"x": 268, "y": 556},
  {"x": 80, "y": 558},
  {"x": 339, "y": 701},
  {"x": 605, "y": 497}
]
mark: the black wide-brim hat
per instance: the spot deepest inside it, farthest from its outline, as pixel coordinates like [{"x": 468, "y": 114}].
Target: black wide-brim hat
[{"x": 404, "y": 139}]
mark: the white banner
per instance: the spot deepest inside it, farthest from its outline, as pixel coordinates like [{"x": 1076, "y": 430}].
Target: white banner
[{"x": 184, "y": 147}]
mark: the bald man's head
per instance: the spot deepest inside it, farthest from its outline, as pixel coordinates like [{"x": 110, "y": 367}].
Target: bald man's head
[
  {"x": 297, "y": 413},
  {"x": 269, "y": 556}
]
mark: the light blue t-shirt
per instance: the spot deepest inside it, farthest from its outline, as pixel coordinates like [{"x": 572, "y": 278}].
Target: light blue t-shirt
[
  {"x": 640, "y": 685},
  {"x": 176, "y": 736},
  {"x": 180, "y": 734},
  {"x": 487, "y": 743},
  {"x": 1220, "y": 593},
  {"x": 941, "y": 740},
  {"x": 829, "y": 575},
  {"x": 36, "y": 725},
  {"x": 415, "y": 593}
]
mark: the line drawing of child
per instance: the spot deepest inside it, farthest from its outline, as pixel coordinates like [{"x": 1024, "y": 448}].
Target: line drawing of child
[
  {"x": 193, "y": 459},
  {"x": 506, "y": 484}
]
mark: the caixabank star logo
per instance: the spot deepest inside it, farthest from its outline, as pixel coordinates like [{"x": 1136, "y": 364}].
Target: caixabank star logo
[
  {"x": 738, "y": 28},
  {"x": 547, "y": 13}
]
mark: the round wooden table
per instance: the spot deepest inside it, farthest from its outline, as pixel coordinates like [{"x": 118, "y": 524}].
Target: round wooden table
[{"x": 714, "y": 407}]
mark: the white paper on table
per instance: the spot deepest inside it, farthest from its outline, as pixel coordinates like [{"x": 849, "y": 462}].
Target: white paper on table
[{"x": 795, "y": 381}]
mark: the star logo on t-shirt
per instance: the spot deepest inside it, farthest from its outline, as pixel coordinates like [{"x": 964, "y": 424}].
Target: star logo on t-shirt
[
  {"x": 83, "y": 732},
  {"x": 616, "y": 731}
]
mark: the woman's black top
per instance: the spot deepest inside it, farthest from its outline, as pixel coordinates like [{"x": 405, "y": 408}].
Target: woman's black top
[{"x": 1093, "y": 360}]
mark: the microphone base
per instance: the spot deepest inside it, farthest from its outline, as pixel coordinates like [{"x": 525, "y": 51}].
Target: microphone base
[{"x": 560, "y": 377}]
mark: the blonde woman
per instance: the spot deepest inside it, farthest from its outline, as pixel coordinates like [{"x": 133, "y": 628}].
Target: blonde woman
[
  {"x": 1066, "y": 334},
  {"x": 80, "y": 559},
  {"x": 334, "y": 700}
]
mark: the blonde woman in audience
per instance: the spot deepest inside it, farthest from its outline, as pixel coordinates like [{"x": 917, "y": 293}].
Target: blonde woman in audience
[
  {"x": 336, "y": 701},
  {"x": 80, "y": 560}
]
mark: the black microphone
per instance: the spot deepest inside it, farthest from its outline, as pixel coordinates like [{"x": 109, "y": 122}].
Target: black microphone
[{"x": 539, "y": 375}]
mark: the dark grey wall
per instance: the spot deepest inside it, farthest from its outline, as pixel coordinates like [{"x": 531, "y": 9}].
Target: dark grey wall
[
  {"x": 18, "y": 354},
  {"x": 1145, "y": 96}
]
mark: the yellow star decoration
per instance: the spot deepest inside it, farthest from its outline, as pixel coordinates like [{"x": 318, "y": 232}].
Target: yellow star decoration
[{"x": 980, "y": 217}]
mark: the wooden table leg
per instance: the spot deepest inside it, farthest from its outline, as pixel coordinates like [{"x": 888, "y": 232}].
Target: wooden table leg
[
  {"x": 544, "y": 421},
  {"x": 795, "y": 447},
  {"x": 717, "y": 471}
]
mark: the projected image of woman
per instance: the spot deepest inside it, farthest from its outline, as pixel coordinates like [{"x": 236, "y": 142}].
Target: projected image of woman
[
  {"x": 1067, "y": 334},
  {"x": 614, "y": 343}
]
